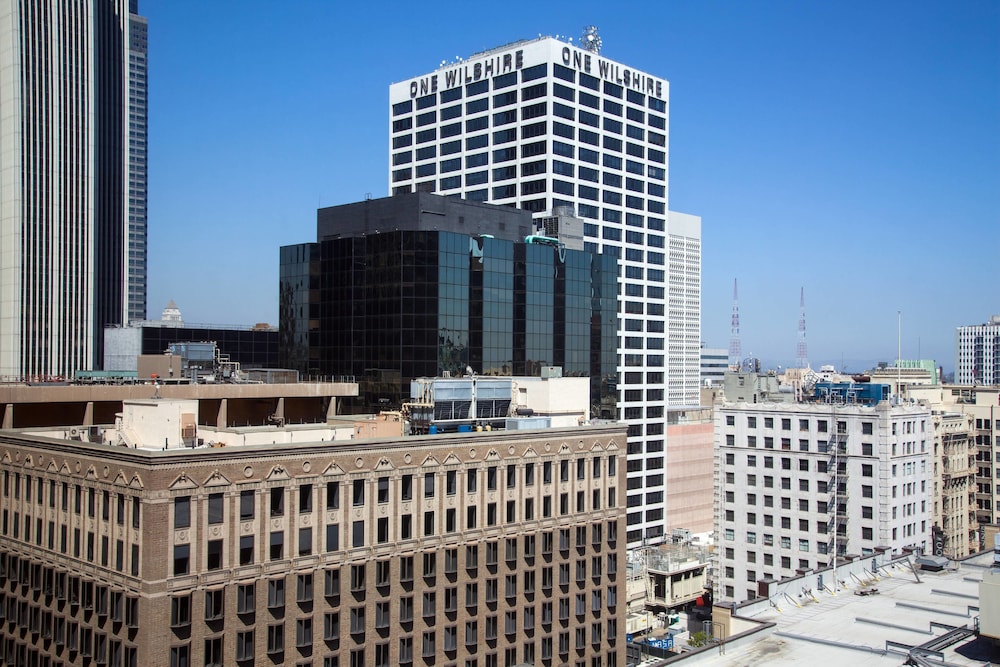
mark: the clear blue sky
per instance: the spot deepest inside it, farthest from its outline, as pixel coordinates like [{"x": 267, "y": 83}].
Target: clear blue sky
[{"x": 851, "y": 148}]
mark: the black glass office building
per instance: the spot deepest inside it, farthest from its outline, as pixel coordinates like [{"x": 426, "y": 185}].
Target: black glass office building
[{"x": 391, "y": 306}]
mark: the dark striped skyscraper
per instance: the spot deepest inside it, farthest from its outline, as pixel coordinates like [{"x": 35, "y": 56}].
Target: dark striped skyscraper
[{"x": 72, "y": 180}]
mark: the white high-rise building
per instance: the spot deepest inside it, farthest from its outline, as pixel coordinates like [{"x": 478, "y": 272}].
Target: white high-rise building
[
  {"x": 546, "y": 126},
  {"x": 798, "y": 484},
  {"x": 977, "y": 353},
  {"x": 72, "y": 180}
]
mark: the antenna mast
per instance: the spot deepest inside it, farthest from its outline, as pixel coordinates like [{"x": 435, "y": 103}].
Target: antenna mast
[
  {"x": 590, "y": 40},
  {"x": 734, "y": 341},
  {"x": 802, "y": 358}
]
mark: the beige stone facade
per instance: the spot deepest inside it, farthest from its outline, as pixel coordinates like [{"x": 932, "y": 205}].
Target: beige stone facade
[
  {"x": 979, "y": 409},
  {"x": 954, "y": 486},
  {"x": 479, "y": 549}
]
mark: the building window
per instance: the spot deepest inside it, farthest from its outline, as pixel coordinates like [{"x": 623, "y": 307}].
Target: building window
[
  {"x": 305, "y": 541},
  {"x": 358, "y": 578},
  {"x": 245, "y": 599},
  {"x": 303, "y": 633},
  {"x": 331, "y": 626},
  {"x": 358, "y": 534},
  {"x": 278, "y": 501},
  {"x": 213, "y": 652},
  {"x": 180, "y": 656},
  {"x": 333, "y": 495},
  {"x": 214, "y": 508},
  {"x": 214, "y": 604},
  {"x": 214, "y": 555},
  {"x": 275, "y": 638},
  {"x": 305, "y": 498},
  {"x": 246, "y": 549},
  {"x": 331, "y": 583},
  {"x": 182, "y": 512},
  {"x": 182, "y": 559},
  {"x": 180, "y": 611},
  {"x": 246, "y": 505},
  {"x": 277, "y": 550},
  {"x": 406, "y": 609},
  {"x": 304, "y": 588},
  {"x": 276, "y": 593},
  {"x": 357, "y": 620}
]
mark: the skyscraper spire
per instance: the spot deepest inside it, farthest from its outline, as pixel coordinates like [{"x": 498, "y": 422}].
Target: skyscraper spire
[
  {"x": 734, "y": 341},
  {"x": 801, "y": 356}
]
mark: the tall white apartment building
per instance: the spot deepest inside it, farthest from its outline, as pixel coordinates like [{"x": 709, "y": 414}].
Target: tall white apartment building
[
  {"x": 798, "y": 483},
  {"x": 552, "y": 128},
  {"x": 72, "y": 180},
  {"x": 977, "y": 353}
]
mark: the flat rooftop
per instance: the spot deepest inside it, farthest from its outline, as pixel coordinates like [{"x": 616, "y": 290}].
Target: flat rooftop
[{"x": 859, "y": 630}]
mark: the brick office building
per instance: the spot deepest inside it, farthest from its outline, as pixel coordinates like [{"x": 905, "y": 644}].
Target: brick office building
[{"x": 477, "y": 549}]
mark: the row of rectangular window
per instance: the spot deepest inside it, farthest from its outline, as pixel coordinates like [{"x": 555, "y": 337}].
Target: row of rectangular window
[
  {"x": 64, "y": 587},
  {"x": 822, "y": 425},
  {"x": 534, "y": 168},
  {"x": 510, "y": 153},
  {"x": 526, "y": 132},
  {"x": 65, "y": 636},
  {"x": 12, "y": 526},
  {"x": 823, "y": 447},
  {"x": 515, "y": 585},
  {"x": 214, "y": 549},
  {"x": 61, "y": 493},
  {"x": 181, "y": 654},
  {"x": 598, "y": 467},
  {"x": 538, "y": 109}
]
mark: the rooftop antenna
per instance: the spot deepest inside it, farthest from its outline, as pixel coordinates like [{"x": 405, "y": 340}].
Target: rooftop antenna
[
  {"x": 899, "y": 356},
  {"x": 590, "y": 40},
  {"x": 802, "y": 356},
  {"x": 734, "y": 339}
]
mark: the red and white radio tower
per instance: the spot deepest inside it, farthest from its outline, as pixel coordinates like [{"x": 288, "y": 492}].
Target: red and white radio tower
[
  {"x": 734, "y": 340},
  {"x": 802, "y": 358}
]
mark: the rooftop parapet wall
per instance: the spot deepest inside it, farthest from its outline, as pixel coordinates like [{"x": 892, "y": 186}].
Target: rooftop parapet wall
[{"x": 854, "y": 572}]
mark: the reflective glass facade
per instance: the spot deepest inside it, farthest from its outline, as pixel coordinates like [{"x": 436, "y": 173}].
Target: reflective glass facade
[{"x": 395, "y": 306}]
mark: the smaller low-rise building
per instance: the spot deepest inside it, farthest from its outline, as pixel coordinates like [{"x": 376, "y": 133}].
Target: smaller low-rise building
[
  {"x": 674, "y": 576},
  {"x": 253, "y": 346}
]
